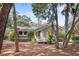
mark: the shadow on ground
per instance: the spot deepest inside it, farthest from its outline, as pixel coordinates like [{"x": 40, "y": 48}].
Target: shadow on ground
[{"x": 29, "y": 49}]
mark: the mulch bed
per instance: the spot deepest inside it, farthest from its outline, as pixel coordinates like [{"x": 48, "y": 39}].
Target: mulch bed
[{"x": 38, "y": 49}]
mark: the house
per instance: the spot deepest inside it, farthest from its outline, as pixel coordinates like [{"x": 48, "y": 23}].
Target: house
[
  {"x": 41, "y": 32},
  {"x": 23, "y": 32}
]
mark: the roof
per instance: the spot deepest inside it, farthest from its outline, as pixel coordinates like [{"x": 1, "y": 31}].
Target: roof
[
  {"x": 35, "y": 29},
  {"x": 43, "y": 27},
  {"x": 24, "y": 28}
]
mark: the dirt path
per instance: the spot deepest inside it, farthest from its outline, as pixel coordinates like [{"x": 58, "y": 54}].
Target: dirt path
[{"x": 29, "y": 49}]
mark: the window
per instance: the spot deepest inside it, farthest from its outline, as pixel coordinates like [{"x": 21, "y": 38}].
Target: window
[
  {"x": 25, "y": 33},
  {"x": 20, "y": 32}
]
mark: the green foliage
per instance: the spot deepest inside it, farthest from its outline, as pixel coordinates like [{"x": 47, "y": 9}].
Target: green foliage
[
  {"x": 7, "y": 32},
  {"x": 23, "y": 20},
  {"x": 61, "y": 34},
  {"x": 10, "y": 35},
  {"x": 34, "y": 40},
  {"x": 30, "y": 34},
  {"x": 9, "y": 23},
  {"x": 44, "y": 10},
  {"x": 50, "y": 36},
  {"x": 75, "y": 40},
  {"x": 49, "y": 39},
  {"x": 39, "y": 10}
]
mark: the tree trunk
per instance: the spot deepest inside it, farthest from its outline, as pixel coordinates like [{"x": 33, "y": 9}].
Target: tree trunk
[
  {"x": 3, "y": 21},
  {"x": 15, "y": 29},
  {"x": 66, "y": 17},
  {"x": 70, "y": 33},
  {"x": 65, "y": 43},
  {"x": 57, "y": 29}
]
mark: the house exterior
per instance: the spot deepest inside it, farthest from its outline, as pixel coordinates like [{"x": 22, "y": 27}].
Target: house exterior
[
  {"x": 23, "y": 32},
  {"x": 41, "y": 33}
]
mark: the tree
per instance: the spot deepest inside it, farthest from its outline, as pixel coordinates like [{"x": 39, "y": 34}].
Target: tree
[
  {"x": 68, "y": 35},
  {"x": 23, "y": 20},
  {"x": 4, "y": 13},
  {"x": 48, "y": 11},
  {"x": 9, "y": 22},
  {"x": 15, "y": 29},
  {"x": 57, "y": 28},
  {"x": 39, "y": 11},
  {"x": 65, "y": 12}
]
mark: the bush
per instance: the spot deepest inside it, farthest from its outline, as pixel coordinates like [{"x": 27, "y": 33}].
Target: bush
[
  {"x": 30, "y": 34},
  {"x": 75, "y": 40},
  {"x": 61, "y": 35},
  {"x": 10, "y": 35},
  {"x": 50, "y": 36},
  {"x": 7, "y": 32},
  {"x": 34, "y": 40},
  {"x": 49, "y": 39}
]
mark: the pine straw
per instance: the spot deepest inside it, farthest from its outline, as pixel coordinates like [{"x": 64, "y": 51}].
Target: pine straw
[{"x": 29, "y": 49}]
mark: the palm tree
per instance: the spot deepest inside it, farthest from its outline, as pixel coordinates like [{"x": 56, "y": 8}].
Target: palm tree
[
  {"x": 15, "y": 29},
  {"x": 4, "y": 13}
]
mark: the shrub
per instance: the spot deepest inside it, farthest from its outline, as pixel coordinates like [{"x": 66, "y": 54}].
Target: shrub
[
  {"x": 7, "y": 32},
  {"x": 34, "y": 40},
  {"x": 75, "y": 40},
  {"x": 10, "y": 35},
  {"x": 61, "y": 35},
  {"x": 49, "y": 39},
  {"x": 30, "y": 34},
  {"x": 50, "y": 36}
]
